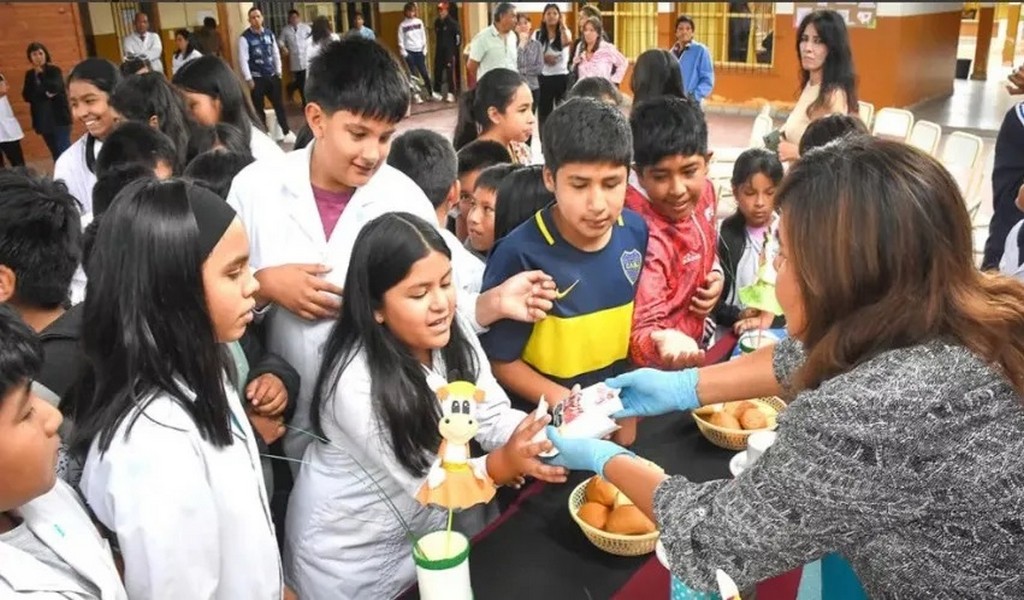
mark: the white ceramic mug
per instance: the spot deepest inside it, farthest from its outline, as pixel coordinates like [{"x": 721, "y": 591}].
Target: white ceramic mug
[{"x": 757, "y": 443}]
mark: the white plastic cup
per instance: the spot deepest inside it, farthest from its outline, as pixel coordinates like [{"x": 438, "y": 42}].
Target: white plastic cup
[
  {"x": 757, "y": 443},
  {"x": 442, "y": 570}
]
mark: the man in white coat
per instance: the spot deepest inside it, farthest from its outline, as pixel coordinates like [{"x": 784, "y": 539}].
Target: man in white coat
[
  {"x": 144, "y": 44},
  {"x": 295, "y": 39},
  {"x": 302, "y": 214},
  {"x": 49, "y": 547}
]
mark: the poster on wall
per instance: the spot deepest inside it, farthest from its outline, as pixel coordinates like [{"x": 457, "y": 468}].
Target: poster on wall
[{"x": 856, "y": 14}]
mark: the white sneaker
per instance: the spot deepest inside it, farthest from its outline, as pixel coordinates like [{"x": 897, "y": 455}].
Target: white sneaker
[
  {"x": 289, "y": 139},
  {"x": 449, "y": 98},
  {"x": 417, "y": 99},
  {"x": 436, "y": 97}
]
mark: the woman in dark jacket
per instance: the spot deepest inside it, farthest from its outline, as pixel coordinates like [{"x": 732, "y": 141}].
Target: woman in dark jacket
[{"x": 45, "y": 93}]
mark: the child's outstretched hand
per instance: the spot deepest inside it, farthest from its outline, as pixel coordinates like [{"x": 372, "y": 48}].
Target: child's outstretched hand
[
  {"x": 707, "y": 296},
  {"x": 518, "y": 457},
  {"x": 267, "y": 395},
  {"x": 525, "y": 297}
]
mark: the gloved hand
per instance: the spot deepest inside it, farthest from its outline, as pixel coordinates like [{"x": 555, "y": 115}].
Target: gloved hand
[
  {"x": 649, "y": 392},
  {"x": 583, "y": 454}
]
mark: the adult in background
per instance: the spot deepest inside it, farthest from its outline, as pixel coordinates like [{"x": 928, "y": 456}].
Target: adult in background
[
  {"x": 901, "y": 445},
  {"x": 323, "y": 34},
  {"x": 208, "y": 39},
  {"x": 1007, "y": 175},
  {"x": 556, "y": 41},
  {"x": 448, "y": 44},
  {"x": 530, "y": 57},
  {"x": 695, "y": 63},
  {"x": 10, "y": 130},
  {"x": 826, "y": 74},
  {"x": 495, "y": 46},
  {"x": 144, "y": 44},
  {"x": 295, "y": 39},
  {"x": 47, "y": 98},
  {"x": 596, "y": 56},
  {"x": 260, "y": 62},
  {"x": 186, "y": 50}
]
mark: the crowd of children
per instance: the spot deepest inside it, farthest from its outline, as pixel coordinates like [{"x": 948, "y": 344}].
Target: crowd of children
[{"x": 237, "y": 309}]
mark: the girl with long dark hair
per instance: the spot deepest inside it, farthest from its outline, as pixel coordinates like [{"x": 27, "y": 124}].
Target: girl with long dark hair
[
  {"x": 500, "y": 109},
  {"x": 90, "y": 84},
  {"x": 149, "y": 98},
  {"x": 214, "y": 94},
  {"x": 376, "y": 414},
  {"x": 656, "y": 74},
  {"x": 186, "y": 50},
  {"x": 47, "y": 98},
  {"x": 172, "y": 465},
  {"x": 827, "y": 77}
]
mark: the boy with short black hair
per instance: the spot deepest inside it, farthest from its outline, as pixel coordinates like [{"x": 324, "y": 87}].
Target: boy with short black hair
[
  {"x": 593, "y": 249},
  {"x": 40, "y": 248},
  {"x": 428, "y": 158},
  {"x": 47, "y": 541},
  {"x": 669, "y": 188},
  {"x": 303, "y": 211},
  {"x": 473, "y": 158}
]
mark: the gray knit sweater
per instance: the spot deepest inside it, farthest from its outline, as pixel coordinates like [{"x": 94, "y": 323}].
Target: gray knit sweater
[{"x": 911, "y": 466}]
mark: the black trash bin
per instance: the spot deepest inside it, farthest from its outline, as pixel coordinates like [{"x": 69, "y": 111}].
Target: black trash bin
[{"x": 963, "y": 68}]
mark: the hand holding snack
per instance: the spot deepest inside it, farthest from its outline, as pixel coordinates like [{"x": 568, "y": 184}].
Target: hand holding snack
[
  {"x": 677, "y": 350},
  {"x": 650, "y": 392}
]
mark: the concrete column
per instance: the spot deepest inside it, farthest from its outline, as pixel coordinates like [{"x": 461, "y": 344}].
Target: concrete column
[{"x": 983, "y": 40}]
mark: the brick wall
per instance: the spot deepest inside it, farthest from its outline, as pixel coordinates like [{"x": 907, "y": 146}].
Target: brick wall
[{"x": 59, "y": 27}]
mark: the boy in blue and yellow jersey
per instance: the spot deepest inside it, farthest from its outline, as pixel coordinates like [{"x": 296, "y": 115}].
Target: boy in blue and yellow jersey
[{"x": 592, "y": 248}]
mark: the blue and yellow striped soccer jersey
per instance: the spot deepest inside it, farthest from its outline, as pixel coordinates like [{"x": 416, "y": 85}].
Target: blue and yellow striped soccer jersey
[{"x": 585, "y": 338}]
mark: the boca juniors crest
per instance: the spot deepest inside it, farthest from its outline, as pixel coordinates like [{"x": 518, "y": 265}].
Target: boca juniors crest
[{"x": 632, "y": 261}]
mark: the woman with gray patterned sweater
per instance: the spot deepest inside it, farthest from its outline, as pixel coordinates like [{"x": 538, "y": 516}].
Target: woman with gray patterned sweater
[{"x": 903, "y": 446}]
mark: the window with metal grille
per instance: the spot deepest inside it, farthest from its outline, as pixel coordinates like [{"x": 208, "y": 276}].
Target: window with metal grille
[
  {"x": 631, "y": 26},
  {"x": 739, "y": 35}
]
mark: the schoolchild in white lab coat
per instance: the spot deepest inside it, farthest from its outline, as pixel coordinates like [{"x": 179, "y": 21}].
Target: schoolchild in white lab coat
[
  {"x": 377, "y": 406},
  {"x": 213, "y": 94},
  {"x": 303, "y": 211},
  {"x": 89, "y": 87},
  {"x": 48, "y": 546},
  {"x": 172, "y": 467}
]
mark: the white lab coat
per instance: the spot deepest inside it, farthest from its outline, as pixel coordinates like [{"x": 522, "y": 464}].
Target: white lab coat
[
  {"x": 297, "y": 41},
  {"x": 58, "y": 519},
  {"x": 70, "y": 167},
  {"x": 316, "y": 49},
  {"x": 10, "y": 129},
  {"x": 192, "y": 520},
  {"x": 261, "y": 146},
  {"x": 178, "y": 61},
  {"x": 342, "y": 542},
  {"x": 274, "y": 200},
  {"x": 151, "y": 49}
]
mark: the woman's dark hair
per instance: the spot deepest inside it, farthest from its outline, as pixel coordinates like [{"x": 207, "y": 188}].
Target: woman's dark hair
[
  {"x": 542, "y": 34},
  {"x": 837, "y": 73},
  {"x": 37, "y": 46},
  {"x": 879, "y": 240},
  {"x": 830, "y": 128},
  {"x": 521, "y": 194},
  {"x": 211, "y": 76},
  {"x": 142, "y": 97},
  {"x": 220, "y": 136},
  {"x": 98, "y": 71},
  {"x": 134, "y": 66},
  {"x": 655, "y": 74},
  {"x": 320, "y": 29},
  {"x": 216, "y": 169},
  {"x": 403, "y": 403},
  {"x": 149, "y": 330},
  {"x": 190, "y": 48},
  {"x": 496, "y": 88}
]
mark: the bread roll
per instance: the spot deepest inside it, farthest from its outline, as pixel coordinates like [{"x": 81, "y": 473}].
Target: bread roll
[
  {"x": 724, "y": 419},
  {"x": 738, "y": 408},
  {"x": 753, "y": 419},
  {"x": 594, "y": 514},
  {"x": 629, "y": 520},
  {"x": 600, "y": 491}
]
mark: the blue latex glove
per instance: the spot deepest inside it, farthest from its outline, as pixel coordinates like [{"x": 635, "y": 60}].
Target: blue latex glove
[
  {"x": 650, "y": 392},
  {"x": 583, "y": 454}
]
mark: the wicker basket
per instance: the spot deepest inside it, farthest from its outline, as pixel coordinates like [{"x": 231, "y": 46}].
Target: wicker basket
[
  {"x": 733, "y": 439},
  {"x": 612, "y": 543}
]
